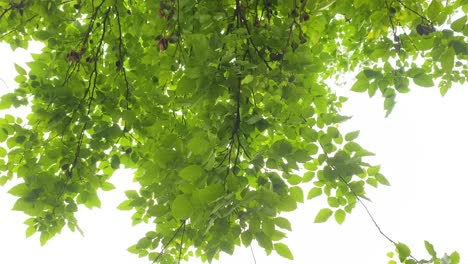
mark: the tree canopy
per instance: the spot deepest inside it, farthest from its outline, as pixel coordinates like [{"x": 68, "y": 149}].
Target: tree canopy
[{"x": 224, "y": 109}]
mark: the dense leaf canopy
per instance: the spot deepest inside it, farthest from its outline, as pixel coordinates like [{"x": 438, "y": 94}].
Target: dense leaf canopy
[{"x": 222, "y": 107}]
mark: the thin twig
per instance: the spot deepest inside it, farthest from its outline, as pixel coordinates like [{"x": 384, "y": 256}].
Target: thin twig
[
  {"x": 414, "y": 11},
  {"x": 169, "y": 242},
  {"x": 181, "y": 242},
  {"x": 253, "y": 255},
  {"x": 243, "y": 20},
  {"x": 365, "y": 207}
]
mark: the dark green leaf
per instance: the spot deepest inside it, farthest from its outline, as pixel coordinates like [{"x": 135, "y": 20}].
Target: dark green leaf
[{"x": 115, "y": 162}]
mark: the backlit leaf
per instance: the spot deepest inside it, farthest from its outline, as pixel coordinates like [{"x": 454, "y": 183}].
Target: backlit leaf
[
  {"x": 323, "y": 215},
  {"x": 283, "y": 251},
  {"x": 430, "y": 249},
  {"x": 314, "y": 192},
  {"x": 182, "y": 208},
  {"x": 297, "y": 194},
  {"x": 403, "y": 251},
  {"x": 423, "y": 80},
  {"x": 340, "y": 216},
  {"x": 352, "y": 135}
]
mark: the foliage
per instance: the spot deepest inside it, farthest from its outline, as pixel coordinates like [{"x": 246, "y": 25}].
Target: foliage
[
  {"x": 223, "y": 109},
  {"x": 404, "y": 256}
]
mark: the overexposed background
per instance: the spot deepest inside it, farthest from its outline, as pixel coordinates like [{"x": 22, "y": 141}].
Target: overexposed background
[{"x": 422, "y": 147}]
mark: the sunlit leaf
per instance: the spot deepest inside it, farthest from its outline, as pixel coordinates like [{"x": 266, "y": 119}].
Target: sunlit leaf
[
  {"x": 403, "y": 251},
  {"x": 283, "y": 251},
  {"x": 340, "y": 216},
  {"x": 323, "y": 215}
]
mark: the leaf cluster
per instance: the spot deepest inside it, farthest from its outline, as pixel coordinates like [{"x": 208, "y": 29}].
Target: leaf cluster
[{"x": 221, "y": 107}]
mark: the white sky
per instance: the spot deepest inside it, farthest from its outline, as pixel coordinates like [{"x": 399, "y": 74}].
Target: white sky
[{"x": 422, "y": 148}]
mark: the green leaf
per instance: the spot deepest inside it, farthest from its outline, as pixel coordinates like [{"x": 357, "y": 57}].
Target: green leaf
[
  {"x": 125, "y": 206},
  {"x": 360, "y": 86},
  {"x": 246, "y": 238},
  {"x": 211, "y": 193},
  {"x": 282, "y": 147},
  {"x": 115, "y": 162},
  {"x": 107, "y": 186},
  {"x": 382, "y": 179},
  {"x": 323, "y": 215},
  {"x": 143, "y": 243},
  {"x": 352, "y": 135},
  {"x": 30, "y": 231},
  {"x": 434, "y": 9},
  {"x": 373, "y": 170},
  {"x": 182, "y": 208},
  {"x": 287, "y": 204},
  {"x": 371, "y": 74},
  {"x": 151, "y": 234},
  {"x": 247, "y": 79},
  {"x": 199, "y": 145},
  {"x": 133, "y": 249},
  {"x": 283, "y": 250},
  {"x": 340, "y": 216},
  {"x": 314, "y": 192},
  {"x": 423, "y": 80},
  {"x": 20, "y": 70},
  {"x": 333, "y": 201},
  {"x": 283, "y": 223},
  {"x": 131, "y": 194},
  {"x": 430, "y": 249},
  {"x": 19, "y": 190},
  {"x": 297, "y": 194},
  {"x": 447, "y": 60},
  {"x": 192, "y": 173},
  {"x": 264, "y": 241},
  {"x": 459, "y": 24},
  {"x": 454, "y": 258},
  {"x": 45, "y": 236},
  {"x": 403, "y": 251}
]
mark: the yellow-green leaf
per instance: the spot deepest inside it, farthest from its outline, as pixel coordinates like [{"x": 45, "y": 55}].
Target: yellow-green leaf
[
  {"x": 323, "y": 215},
  {"x": 284, "y": 251}
]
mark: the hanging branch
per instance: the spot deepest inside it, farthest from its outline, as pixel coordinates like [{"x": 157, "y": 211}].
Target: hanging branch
[
  {"x": 18, "y": 26},
  {"x": 181, "y": 243},
  {"x": 6, "y": 11},
  {"x": 169, "y": 242},
  {"x": 92, "y": 84},
  {"x": 414, "y": 11},
  {"x": 243, "y": 21},
  {"x": 363, "y": 205},
  {"x": 120, "y": 64},
  {"x": 389, "y": 15}
]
